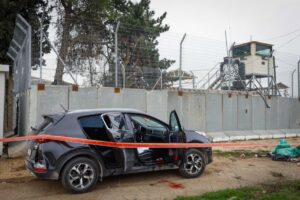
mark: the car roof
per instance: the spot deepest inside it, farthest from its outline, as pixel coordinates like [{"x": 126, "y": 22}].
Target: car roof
[{"x": 103, "y": 110}]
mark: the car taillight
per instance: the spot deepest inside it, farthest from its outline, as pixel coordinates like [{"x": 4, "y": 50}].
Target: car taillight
[
  {"x": 40, "y": 164},
  {"x": 39, "y": 167}
]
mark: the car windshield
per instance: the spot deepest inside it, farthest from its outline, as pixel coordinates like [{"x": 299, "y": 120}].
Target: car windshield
[{"x": 147, "y": 122}]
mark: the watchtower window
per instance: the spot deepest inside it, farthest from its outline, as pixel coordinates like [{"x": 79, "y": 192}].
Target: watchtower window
[
  {"x": 263, "y": 50},
  {"x": 240, "y": 51}
]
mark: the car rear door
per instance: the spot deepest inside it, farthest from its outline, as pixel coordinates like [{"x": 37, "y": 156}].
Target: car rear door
[{"x": 118, "y": 131}]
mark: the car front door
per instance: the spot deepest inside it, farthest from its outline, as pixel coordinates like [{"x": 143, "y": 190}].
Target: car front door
[
  {"x": 147, "y": 129},
  {"x": 176, "y": 134}
]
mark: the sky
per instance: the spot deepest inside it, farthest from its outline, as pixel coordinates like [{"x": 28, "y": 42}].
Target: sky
[
  {"x": 205, "y": 21},
  {"x": 271, "y": 21},
  {"x": 261, "y": 19}
]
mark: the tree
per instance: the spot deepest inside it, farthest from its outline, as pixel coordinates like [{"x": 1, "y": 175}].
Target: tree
[
  {"x": 80, "y": 34},
  {"x": 138, "y": 33},
  {"x": 32, "y": 11},
  {"x": 86, "y": 29}
]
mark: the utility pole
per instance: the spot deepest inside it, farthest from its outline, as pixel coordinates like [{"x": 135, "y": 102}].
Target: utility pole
[
  {"x": 180, "y": 61},
  {"x": 116, "y": 54}
]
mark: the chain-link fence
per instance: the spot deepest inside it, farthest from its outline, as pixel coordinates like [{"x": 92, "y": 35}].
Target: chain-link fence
[
  {"x": 124, "y": 56},
  {"x": 90, "y": 53}
]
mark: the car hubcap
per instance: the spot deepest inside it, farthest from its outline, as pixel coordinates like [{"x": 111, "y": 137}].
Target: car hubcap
[
  {"x": 193, "y": 163},
  {"x": 81, "y": 175}
]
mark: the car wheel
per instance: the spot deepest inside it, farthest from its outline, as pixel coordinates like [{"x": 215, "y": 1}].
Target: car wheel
[
  {"x": 193, "y": 164},
  {"x": 80, "y": 175}
]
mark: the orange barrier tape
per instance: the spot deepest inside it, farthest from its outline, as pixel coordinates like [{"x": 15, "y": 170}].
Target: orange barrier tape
[{"x": 45, "y": 138}]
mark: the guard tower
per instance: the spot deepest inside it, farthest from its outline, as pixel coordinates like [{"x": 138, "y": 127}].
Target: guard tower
[
  {"x": 257, "y": 57},
  {"x": 251, "y": 67}
]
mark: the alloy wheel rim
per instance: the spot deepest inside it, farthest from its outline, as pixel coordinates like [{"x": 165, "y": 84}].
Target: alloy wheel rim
[
  {"x": 193, "y": 163},
  {"x": 81, "y": 175}
]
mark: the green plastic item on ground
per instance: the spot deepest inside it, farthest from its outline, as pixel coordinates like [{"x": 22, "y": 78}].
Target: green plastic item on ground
[{"x": 284, "y": 149}]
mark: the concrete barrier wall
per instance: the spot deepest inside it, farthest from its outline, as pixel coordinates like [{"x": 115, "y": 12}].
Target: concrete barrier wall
[
  {"x": 229, "y": 107},
  {"x": 294, "y": 110},
  {"x": 244, "y": 112},
  {"x": 213, "y": 113},
  {"x": 258, "y": 113},
  {"x": 283, "y": 113},
  {"x": 157, "y": 104},
  {"x": 47, "y": 101},
  {"x": 272, "y": 114},
  {"x": 198, "y": 110},
  {"x": 84, "y": 98}
]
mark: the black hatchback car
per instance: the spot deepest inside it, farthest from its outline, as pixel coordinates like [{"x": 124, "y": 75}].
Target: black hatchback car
[{"x": 80, "y": 166}]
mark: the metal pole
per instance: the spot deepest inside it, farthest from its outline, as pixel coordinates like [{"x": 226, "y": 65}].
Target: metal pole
[
  {"x": 268, "y": 77},
  {"x": 180, "y": 60},
  {"x": 161, "y": 79},
  {"x": 208, "y": 80},
  {"x": 116, "y": 55},
  {"x": 275, "y": 76},
  {"x": 193, "y": 79},
  {"x": 293, "y": 82},
  {"x": 41, "y": 51},
  {"x": 299, "y": 79},
  {"x": 124, "y": 75},
  {"x": 228, "y": 55}
]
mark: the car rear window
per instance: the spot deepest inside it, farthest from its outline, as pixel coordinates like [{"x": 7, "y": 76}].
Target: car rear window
[
  {"x": 43, "y": 126},
  {"x": 93, "y": 127}
]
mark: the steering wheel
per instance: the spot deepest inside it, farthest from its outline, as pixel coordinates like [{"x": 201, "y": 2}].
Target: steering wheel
[{"x": 139, "y": 133}]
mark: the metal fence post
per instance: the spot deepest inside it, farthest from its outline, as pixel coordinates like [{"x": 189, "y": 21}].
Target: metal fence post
[
  {"x": 180, "y": 60},
  {"x": 116, "y": 54},
  {"x": 293, "y": 82},
  {"x": 161, "y": 79},
  {"x": 124, "y": 75},
  {"x": 193, "y": 79},
  {"x": 41, "y": 51},
  {"x": 299, "y": 79}
]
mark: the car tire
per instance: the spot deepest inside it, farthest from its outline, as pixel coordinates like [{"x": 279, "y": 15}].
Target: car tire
[
  {"x": 80, "y": 175},
  {"x": 193, "y": 164}
]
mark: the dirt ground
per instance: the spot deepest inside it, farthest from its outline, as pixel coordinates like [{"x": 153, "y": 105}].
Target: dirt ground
[{"x": 228, "y": 170}]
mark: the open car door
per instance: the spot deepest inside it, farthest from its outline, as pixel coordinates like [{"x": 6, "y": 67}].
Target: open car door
[
  {"x": 176, "y": 133},
  {"x": 175, "y": 127}
]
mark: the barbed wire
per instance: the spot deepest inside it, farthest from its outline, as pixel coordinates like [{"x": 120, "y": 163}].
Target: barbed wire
[{"x": 142, "y": 52}]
